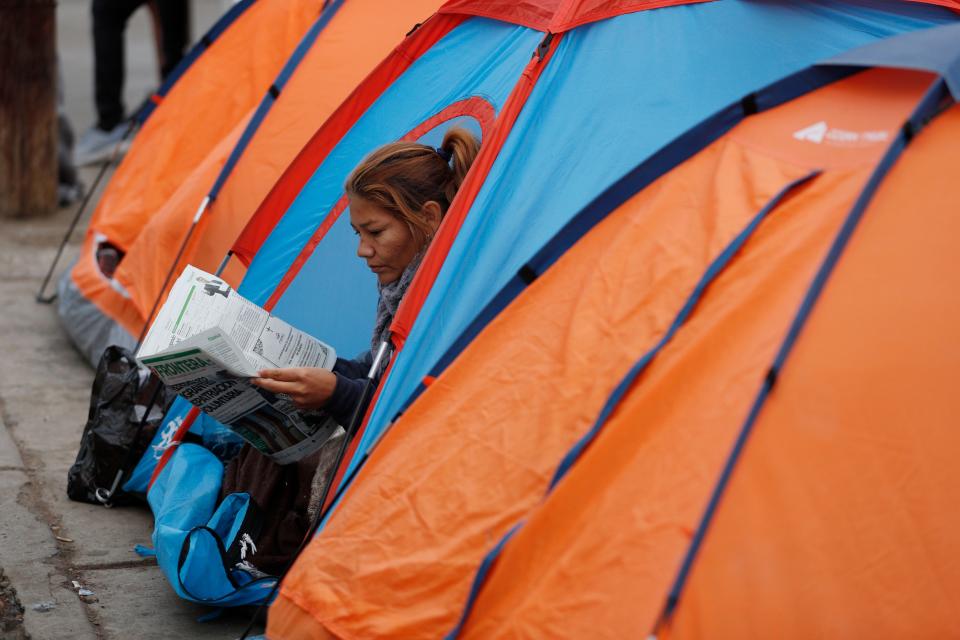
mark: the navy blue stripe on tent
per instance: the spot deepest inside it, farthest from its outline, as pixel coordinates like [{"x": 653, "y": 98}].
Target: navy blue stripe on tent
[
  {"x": 329, "y": 10},
  {"x": 195, "y": 52},
  {"x": 715, "y": 269},
  {"x": 928, "y": 108},
  {"x": 480, "y": 578},
  {"x": 709, "y": 276},
  {"x": 672, "y": 155}
]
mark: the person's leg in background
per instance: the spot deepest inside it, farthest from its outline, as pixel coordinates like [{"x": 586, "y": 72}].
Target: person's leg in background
[
  {"x": 109, "y": 24},
  {"x": 69, "y": 187},
  {"x": 172, "y": 21}
]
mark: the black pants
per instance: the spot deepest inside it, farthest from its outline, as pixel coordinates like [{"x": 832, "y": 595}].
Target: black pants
[{"x": 109, "y": 23}]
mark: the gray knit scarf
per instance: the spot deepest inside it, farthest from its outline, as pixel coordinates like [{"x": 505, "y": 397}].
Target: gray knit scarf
[{"x": 390, "y": 296}]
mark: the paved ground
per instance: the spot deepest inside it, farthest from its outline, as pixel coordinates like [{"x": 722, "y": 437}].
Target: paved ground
[{"x": 46, "y": 541}]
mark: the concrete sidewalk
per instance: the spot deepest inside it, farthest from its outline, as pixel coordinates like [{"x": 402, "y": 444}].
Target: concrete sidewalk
[{"x": 47, "y": 542}]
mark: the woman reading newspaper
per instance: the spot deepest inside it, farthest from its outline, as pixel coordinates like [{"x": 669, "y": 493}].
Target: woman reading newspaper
[{"x": 398, "y": 196}]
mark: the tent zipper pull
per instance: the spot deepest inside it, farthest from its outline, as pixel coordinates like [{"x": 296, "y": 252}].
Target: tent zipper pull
[{"x": 543, "y": 46}]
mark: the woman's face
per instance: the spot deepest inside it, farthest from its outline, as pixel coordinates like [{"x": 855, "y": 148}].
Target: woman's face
[{"x": 385, "y": 241}]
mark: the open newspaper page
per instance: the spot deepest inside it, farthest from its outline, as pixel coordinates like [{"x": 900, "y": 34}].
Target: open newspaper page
[{"x": 206, "y": 344}]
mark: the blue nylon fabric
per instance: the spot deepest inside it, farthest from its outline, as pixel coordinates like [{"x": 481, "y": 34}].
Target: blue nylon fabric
[
  {"x": 479, "y": 58},
  {"x": 339, "y": 310},
  {"x": 933, "y": 50},
  {"x": 926, "y": 110},
  {"x": 579, "y": 132},
  {"x": 679, "y": 150},
  {"x": 315, "y": 297},
  {"x": 183, "y": 500},
  {"x": 715, "y": 268},
  {"x": 217, "y": 438}
]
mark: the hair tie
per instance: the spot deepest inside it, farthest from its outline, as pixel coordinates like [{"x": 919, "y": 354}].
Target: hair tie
[{"x": 445, "y": 154}]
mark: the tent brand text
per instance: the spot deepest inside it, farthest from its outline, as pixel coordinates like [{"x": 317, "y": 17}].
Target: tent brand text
[{"x": 820, "y": 132}]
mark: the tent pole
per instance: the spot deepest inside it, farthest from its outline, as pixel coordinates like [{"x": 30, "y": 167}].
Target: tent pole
[
  {"x": 166, "y": 281},
  {"x": 41, "y": 298},
  {"x": 355, "y": 419}
]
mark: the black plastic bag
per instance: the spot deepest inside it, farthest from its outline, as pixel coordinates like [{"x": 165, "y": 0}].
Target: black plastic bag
[{"x": 117, "y": 433}]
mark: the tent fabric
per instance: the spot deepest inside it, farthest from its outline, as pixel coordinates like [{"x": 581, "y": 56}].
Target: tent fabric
[
  {"x": 197, "y": 50},
  {"x": 326, "y": 137},
  {"x": 476, "y": 429},
  {"x": 335, "y": 60},
  {"x": 231, "y": 74},
  {"x": 240, "y": 169},
  {"x": 482, "y": 59},
  {"x": 417, "y": 517},
  {"x": 494, "y": 54},
  {"x": 935, "y": 99},
  {"x": 647, "y": 476},
  {"x": 815, "y": 481},
  {"x": 557, "y": 16},
  {"x": 523, "y": 204},
  {"x": 229, "y": 78},
  {"x": 450, "y": 227},
  {"x": 928, "y": 50},
  {"x": 321, "y": 244}
]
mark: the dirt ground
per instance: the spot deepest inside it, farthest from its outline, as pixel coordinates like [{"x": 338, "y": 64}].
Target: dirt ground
[
  {"x": 51, "y": 547},
  {"x": 11, "y": 611}
]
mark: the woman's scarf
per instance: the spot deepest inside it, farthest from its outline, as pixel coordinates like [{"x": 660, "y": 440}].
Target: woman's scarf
[{"x": 390, "y": 296}]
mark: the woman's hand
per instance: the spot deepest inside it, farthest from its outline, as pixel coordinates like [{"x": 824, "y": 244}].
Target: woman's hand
[{"x": 308, "y": 387}]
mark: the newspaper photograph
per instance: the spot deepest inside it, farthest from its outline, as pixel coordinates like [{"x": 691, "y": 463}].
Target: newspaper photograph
[{"x": 208, "y": 341}]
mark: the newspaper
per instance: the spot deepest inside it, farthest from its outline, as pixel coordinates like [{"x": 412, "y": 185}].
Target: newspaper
[{"x": 206, "y": 344}]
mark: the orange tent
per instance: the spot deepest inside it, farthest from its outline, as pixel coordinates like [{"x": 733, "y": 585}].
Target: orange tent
[
  {"x": 587, "y": 473},
  {"x": 206, "y": 102},
  {"x": 263, "y": 106},
  {"x": 824, "y": 530},
  {"x": 356, "y": 38}
]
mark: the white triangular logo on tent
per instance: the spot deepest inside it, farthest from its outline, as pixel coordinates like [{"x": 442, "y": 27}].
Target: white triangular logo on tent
[{"x": 813, "y": 133}]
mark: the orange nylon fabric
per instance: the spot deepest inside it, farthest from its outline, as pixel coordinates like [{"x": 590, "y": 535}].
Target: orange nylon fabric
[
  {"x": 359, "y": 35},
  {"x": 475, "y": 453},
  {"x": 278, "y": 200},
  {"x": 840, "y": 519},
  {"x": 215, "y": 93},
  {"x": 397, "y": 558},
  {"x": 596, "y": 557}
]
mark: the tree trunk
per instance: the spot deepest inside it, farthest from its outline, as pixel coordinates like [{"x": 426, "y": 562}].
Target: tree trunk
[{"x": 28, "y": 108}]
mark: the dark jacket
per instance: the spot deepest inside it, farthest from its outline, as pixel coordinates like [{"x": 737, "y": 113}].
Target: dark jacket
[
  {"x": 283, "y": 492},
  {"x": 350, "y": 378}
]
